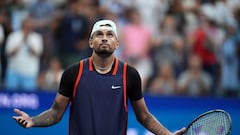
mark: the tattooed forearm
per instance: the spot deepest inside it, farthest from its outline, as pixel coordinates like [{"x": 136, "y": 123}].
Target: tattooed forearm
[
  {"x": 48, "y": 117},
  {"x": 154, "y": 126}
]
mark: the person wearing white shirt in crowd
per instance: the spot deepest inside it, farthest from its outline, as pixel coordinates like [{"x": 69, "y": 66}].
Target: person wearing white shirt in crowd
[{"x": 23, "y": 50}]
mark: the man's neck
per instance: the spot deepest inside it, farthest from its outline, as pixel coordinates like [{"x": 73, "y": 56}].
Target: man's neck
[{"x": 101, "y": 64}]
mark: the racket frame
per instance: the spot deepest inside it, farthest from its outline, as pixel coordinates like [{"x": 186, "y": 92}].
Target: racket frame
[{"x": 208, "y": 112}]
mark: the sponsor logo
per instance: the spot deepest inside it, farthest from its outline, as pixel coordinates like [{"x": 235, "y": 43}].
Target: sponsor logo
[{"x": 115, "y": 87}]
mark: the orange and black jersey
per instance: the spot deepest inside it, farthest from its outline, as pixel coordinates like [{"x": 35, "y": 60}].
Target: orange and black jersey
[
  {"x": 99, "y": 101},
  {"x": 69, "y": 78}
]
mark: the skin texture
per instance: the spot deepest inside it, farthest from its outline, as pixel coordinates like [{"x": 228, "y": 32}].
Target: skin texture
[
  {"x": 104, "y": 43},
  {"x": 46, "y": 118}
]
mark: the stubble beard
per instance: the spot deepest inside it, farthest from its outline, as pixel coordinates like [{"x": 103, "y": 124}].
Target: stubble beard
[{"x": 103, "y": 53}]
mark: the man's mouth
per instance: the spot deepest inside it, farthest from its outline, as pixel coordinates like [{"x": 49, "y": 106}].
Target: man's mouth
[{"x": 104, "y": 44}]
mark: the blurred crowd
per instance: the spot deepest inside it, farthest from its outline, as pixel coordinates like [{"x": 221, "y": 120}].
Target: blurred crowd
[{"x": 179, "y": 47}]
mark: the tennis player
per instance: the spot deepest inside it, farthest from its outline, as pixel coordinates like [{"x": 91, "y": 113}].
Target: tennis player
[{"x": 98, "y": 89}]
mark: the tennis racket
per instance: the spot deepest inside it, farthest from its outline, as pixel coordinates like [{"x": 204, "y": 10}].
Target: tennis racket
[{"x": 214, "y": 122}]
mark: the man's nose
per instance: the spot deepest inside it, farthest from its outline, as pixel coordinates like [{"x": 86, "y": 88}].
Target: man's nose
[{"x": 104, "y": 39}]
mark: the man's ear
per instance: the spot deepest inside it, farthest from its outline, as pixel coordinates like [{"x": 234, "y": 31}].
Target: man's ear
[
  {"x": 117, "y": 45},
  {"x": 90, "y": 43}
]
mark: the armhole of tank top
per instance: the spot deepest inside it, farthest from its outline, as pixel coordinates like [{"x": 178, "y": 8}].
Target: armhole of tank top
[
  {"x": 125, "y": 86},
  {"x": 78, "y": 79}
]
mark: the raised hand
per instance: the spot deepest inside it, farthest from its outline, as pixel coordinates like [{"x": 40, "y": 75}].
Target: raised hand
[{"x": 23, "y": 119}]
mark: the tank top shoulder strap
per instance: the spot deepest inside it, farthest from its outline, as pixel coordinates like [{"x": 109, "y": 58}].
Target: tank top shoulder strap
[
  {"x": 78, "y": 78},
  {"x": 125, "y": 86}
]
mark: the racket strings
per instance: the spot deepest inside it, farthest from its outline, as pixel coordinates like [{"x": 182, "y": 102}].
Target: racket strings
[{"x": 216, "y": 123}]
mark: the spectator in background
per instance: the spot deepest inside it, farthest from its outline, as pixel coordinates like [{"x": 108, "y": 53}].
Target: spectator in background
[
  {"x": 191, "y": 9},
  {"x": 237, "y": 38},
  {"x": 41, "y": 12},
  {"x": 50, "y": 79},
  {"x": 51, "y": 42},
  {"x": 72, "y": 34},
  {"x": 202, "y": 42},
  {"x": 219, "y": 11},
  {"x": 152, "y": 13},
  {"x": 194, "y": 81},
  {"x": 169, "y": 46},
  {"x": 164, "y": 83},
  {"x": 19, "y": 11},
  {"x": 229, "y": 62},
  {"x": 177, "y": 10},
  {"x": 215, "y": 37},
  {"x": 5, "y": 22},
  {"x": 115, "y": 6},
  {"x": 136, "y": 40},
  {"x": 90, "y": 9},
  {"x": 23, "y": 50}
]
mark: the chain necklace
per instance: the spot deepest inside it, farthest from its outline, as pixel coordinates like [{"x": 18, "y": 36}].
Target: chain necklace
[{"x": 103, "y": 68}]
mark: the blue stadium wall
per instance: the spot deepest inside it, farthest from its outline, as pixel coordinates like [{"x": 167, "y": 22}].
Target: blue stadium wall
[{"x": 172, "y": 112}]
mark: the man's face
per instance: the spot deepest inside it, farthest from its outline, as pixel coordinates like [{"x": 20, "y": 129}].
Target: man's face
[{"x": 104, "y": 42}]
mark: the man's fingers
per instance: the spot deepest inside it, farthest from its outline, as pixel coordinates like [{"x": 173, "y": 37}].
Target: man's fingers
[
  {"x": 23, "y": 119},
  {"x": 25, "y": 124},
  {"x": 19, "y": 112},
  {"x": 16, "y": 110},
  {"x": 180, "y": 132},
  {"x": 16, "y": 118},
  {"x": 22, "y": 122}
]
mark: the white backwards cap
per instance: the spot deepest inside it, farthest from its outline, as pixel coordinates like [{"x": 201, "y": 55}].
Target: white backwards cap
[{"x": 105, "y": 24}]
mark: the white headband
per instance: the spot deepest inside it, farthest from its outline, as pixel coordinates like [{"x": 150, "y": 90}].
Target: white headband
[{"x": 104, "y": 24}]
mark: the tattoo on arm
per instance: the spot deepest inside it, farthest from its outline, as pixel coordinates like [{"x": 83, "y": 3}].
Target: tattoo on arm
[
  {"x": 50, "y": 116},
  {"x": 154, "y": 126}
]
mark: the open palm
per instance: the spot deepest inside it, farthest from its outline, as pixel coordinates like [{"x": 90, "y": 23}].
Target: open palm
[{"x": 23, "y": 119}]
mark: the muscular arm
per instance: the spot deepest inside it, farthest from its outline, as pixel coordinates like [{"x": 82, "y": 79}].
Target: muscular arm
[
  {"x": 140, "y": 108},
  {"x": 52, "y": 115},
  {"x": 147, "y": 119},
  {"x": 47, "y": 118}
]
